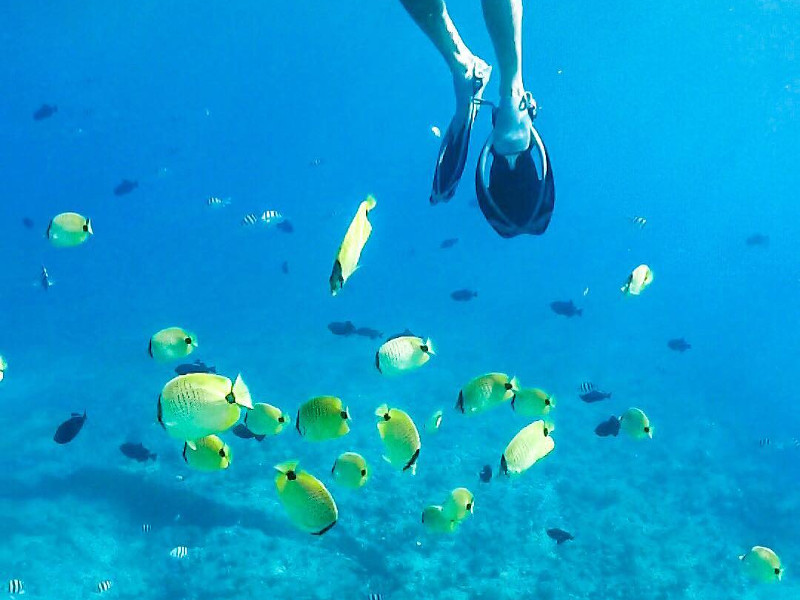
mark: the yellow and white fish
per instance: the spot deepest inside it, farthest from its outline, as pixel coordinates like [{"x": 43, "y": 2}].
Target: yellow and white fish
[
  {"x": 532, "y": 443},
  {"x": 68, "y": 230},
  {"x": 637, "y": 281},
  {"x": 762, "y": 564},
  {"x": 485, "y": 392},
  {"x": 308, "y": 503},
  {"x": 193, "y": 406},
  {"x": 350, "y": 250},
  {"x": 459, "y": 504},
  {"x": 435, "y": 520},
  {"x": 400, "y": 438},
  {"x": 532, "y": 402},
  {"x": 3, "y": 367},
  {"x": 209, "y": 454},
  {"x": 434, "y": 422},
  {"x": 322, "y": 418},
  {"x": 171, "y": 343},
  {"x": 266, "y": 420},
  {"x": 636, "y": 424},
  {"x": 350, "y": 470},
  {"x": 403, "y": 353}
]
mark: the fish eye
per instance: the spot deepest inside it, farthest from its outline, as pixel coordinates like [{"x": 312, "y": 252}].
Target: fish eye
[
  {"x": 469, "y": 506},
  {"x": 424, "y": 347},
  {"x": 547, "y": 401},
  {"x": 222, "y": 452},
  {"x": 508, "y": 386},
  {"x": 291, "y": 475},
  {"x": 363, "y": 472},
  {"x": 546, "y": 431},
  {"x": 777, "y": 571},
  {"x": 86, "y": 228},
  {"x": 344, "y": 414},
  {"x": 647, "y": 430},
  {"x": 386, "y": 417},
  {"x": 281, "y": 419},
  {"x": 188, "y": 340}
]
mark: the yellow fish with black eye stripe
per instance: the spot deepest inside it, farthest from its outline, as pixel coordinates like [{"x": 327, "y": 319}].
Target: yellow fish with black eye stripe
[{"x": 353, "y": 244}]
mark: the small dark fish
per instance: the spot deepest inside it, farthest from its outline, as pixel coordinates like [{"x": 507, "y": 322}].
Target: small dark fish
[
  {"x": 607, "y": 428},
  {"x": 103, "y": 586},
  {"x": 559, "y": 535},
  {"x": 342, "y": 328},
  {"x": 146, "y": 528},
  {"x": 764, "y": 442},
  {"x": 587, "y": 386},
  {"x": 595, "y": 396},
  {"x": 639, "y": 221},
  {"x": 137, "y": 452},
  {"x": 757, "y": 239},
  {"x": 372, "y": 334},
  {"x": 485, "y": 474},
  {"x": 566, "y": 309},
  {"x": 197, "y": 366},
  {"x": 448, "y": 243},
  {"x": 70, "y": 428},
  {"x": 285, "y": 226},
  {"x": 45, "y": 111},
  {"x": 679, "y": 345},
  {"x": 374, "y": 597},
  {"x": 125, "y": 187},
  {"x": 315, "y": 162},
  {"x": 285, "y": 267},
  {"x": 28, "y": 223},
  {"x": 44, "y": 279},
  {"x": 241, "y": 431},
  {"x": 463, "y": 295}
]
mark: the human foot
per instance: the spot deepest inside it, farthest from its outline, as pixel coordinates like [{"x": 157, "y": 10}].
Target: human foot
[{"x": 512, "y": 126}]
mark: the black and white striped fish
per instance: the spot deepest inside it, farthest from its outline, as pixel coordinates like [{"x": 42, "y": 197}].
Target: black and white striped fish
[
  {"x": 179, "y": 552},
  {"x": 146, "y": 528},
  {"x": 587, "y": 386},
  {"x": 215, "y": 202},
  {"x": 639, "y": 221},
  {"x": 104, "y": 586},
  {"x": 271, "y": 216},
  {"x": 16, "y": 586},
  {"x": 374, "y": 597},
  {"x": 250, "y": 220},
  {"x": 766, "y": 442}
]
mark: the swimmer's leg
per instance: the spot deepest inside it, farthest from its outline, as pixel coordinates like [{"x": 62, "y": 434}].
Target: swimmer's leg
[
  {"x": 512, "y": 130},
  {"x": 470, "y": 77}
]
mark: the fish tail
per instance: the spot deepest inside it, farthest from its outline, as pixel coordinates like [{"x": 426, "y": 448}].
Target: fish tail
[
  {"x": 241, "y": 393},
  {"x": 429, "y": 344}
]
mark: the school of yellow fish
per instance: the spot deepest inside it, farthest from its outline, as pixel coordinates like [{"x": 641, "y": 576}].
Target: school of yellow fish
[{"x": 196, "y": 408}]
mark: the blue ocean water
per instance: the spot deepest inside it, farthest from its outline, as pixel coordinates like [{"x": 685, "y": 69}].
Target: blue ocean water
[{"x": 683, "y": 112}]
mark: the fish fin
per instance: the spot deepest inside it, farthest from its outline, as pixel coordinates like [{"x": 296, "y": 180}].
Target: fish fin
[
  {"x": 191, "y": 445},
  {"x": 150, "y": 348},
  {"x": 381, "y": 427},
  {"x": 386, "y": 458},
  {"x": 370, "y": 202},
  {"x": 241, "y": 393},
  {"x": 429, "y": 344},
  {"x": 89, "y": 229},
  {"x": 413, "y": 469},
  {"x": 285, "y": 467},
  {"x": 514, "y": 382},
  {"x": 741, "y": 556},
  {"x": 382, "y": 410}
]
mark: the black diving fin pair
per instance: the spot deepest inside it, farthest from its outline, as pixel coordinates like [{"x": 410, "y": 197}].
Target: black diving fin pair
[{"x": 516, "y": 194}]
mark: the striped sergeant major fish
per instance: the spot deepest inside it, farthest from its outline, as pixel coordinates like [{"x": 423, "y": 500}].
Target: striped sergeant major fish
[
  {"x": 640, "y": 222},
  {"x": 179, "y": 552},
  {"x": 215, "y": 202},
  {"x": 374, "y": 597},
  {"x": 587, "y": 386},
  {"x": 16, "y": 586},
  {"x": 268, "y": 217},
  {"x": 44, "y": 279},
  {"x": 104, "y": 586},
  {"x": 146, "y": 528}
]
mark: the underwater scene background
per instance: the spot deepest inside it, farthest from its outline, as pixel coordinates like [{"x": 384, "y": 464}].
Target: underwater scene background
[{"x": 684, "y": 112}]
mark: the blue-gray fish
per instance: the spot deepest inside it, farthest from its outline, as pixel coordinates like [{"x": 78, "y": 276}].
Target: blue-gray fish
[
  {"x": 70, "y": 428},
  {"x": 566, "y": 308},
  {"x": 463, "y": 295},
  {"x": 125, "y": 187},
  {"x": 45, "y": 111},
  {"x": 595, "y": 396},
  {"x": 559, "y": 535},
  {"x": 608, "y": 427}
]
